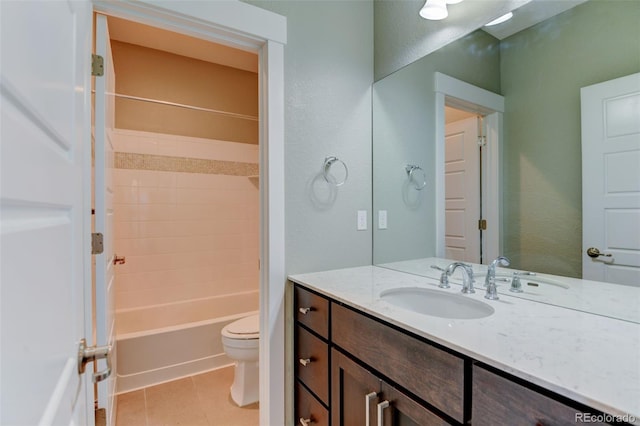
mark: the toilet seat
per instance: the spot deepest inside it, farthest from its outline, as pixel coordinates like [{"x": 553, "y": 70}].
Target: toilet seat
[{"x": 243, "y": 329}]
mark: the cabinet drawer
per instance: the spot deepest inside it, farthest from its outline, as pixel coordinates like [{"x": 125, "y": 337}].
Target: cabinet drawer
[
  {"x": 433, "y": 375},
  {"x": 308, "y": 408},
  {"x": 312, "y": 311},
  {"x": 313, "y": 352},
  {"x": 498, "y": 400}
]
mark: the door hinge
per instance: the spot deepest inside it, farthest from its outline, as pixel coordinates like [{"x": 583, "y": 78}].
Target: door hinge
[
  {"x": 482, "y": 224},
  {"x": 97, "y": 65},
  {"x": 482, "y": 134},
  {"x": 97, "y": 243}
]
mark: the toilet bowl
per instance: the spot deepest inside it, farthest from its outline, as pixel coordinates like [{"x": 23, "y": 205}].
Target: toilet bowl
[{"x": 240, "y": 340}]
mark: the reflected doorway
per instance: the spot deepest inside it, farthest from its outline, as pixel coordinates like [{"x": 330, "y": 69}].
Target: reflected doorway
[{"x": 463, "y": 185}]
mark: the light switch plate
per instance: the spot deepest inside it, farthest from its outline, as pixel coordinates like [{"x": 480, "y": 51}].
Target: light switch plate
[
  {"x": 362, "y": 220},
  {"x": 382, "y": 219}
]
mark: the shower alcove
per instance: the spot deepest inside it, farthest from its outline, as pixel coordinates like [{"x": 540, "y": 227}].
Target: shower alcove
[{"x": 186, "y": 201}]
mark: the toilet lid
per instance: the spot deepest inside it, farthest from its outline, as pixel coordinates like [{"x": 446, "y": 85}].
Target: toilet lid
[{"x": 246, "y": 325}]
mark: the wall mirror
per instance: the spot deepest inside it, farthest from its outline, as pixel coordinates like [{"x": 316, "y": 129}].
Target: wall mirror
[{"x": 535, "y": 164}]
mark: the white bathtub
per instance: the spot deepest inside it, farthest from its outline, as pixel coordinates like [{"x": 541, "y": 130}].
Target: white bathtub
[{"x": 160, "y": 343}]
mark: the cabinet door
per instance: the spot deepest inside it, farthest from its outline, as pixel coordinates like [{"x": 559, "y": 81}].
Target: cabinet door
[
  {"x": 308, "y": 410},
  {"x": 399, "y": 410},
  {"x": 353, "y": 388},
  {"x": 498, "y": 400}
]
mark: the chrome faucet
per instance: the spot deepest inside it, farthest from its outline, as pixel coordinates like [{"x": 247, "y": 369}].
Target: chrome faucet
[
  {"x": 490, "y": 280},
  {"x": 467, "y": 276}
]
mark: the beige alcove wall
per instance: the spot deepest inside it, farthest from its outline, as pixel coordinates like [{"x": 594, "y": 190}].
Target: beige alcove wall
[{"x": 219, "y": 99}]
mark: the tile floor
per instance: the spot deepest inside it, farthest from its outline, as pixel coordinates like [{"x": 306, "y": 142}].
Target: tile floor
[{"x": 201, "y": 400}]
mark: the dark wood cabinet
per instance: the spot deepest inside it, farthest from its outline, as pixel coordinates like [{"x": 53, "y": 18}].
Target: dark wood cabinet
[
  {"x": 311, "y": 357},
  {"x": 347, "y": 361}
]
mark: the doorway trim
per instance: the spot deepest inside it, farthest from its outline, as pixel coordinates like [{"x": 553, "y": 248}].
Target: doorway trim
[
  {"x": 459, "y": 94},
  {"x": 250, "y": 28}
]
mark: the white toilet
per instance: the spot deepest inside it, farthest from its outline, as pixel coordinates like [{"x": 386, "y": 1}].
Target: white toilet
[{"x": 240, "y": 340}]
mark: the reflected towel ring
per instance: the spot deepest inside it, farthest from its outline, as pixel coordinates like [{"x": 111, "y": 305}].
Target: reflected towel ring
[
  {"x": 418, "y": 183},
  {"x": 328, "y": 162}
]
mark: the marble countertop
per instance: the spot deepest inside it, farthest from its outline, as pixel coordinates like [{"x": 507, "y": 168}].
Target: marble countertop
[{"x": 592, "y": 359}]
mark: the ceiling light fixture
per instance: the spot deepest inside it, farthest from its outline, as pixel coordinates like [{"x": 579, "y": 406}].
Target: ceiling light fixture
[
  {"x": 434, "y": 10},
  {"x": 500, "y": 20}
]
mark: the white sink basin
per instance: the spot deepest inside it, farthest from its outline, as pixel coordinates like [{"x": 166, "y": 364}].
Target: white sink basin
[{"x": 436, "y": 303}]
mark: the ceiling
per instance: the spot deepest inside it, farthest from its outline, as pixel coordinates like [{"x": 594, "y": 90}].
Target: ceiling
[
  {"x": 180, "y": 44},
  {"x": 467, "y": 15},
  {"x": 530, "y": 14}
]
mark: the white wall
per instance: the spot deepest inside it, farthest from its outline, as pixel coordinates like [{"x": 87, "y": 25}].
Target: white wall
[
  {"x": 185, "y": 235},
  {"x": 328, "y": 77}
]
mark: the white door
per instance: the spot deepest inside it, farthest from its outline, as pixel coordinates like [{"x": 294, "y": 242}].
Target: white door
[
  {"x": 44, "y": 259},
  {"x": 104, "y": 122},
  {"x": 611, "y": 180},
  {"x": 462, "y": 191}
]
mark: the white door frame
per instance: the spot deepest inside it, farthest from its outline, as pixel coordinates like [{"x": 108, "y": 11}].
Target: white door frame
[
  {"x": 462, "y": 95},
  {"x": 241, "y": 25}
]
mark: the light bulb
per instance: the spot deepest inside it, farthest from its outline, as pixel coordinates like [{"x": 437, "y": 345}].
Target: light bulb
[
  {"x": 500, "y": 20},
  {"x": 434, "y": 10}
]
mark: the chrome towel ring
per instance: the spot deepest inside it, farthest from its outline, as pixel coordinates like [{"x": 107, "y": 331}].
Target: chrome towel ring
[
  {"x": 420, "y": 180},
  {"x": 328, "y": 162}
]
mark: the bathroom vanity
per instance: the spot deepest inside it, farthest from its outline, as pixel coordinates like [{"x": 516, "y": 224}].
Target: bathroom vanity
[{"x": 360, "y": 359}]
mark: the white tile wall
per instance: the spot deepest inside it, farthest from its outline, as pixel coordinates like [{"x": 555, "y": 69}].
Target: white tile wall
[{"x": 185, "y": 236}]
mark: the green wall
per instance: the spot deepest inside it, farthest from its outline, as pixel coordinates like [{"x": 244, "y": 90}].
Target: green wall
[{"x": 542, "y": 71}]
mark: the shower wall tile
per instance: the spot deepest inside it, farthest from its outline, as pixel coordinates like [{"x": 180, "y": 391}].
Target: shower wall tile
[{"x": 186, "y": 236}]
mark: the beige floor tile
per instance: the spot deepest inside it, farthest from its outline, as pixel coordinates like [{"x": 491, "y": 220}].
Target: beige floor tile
[
  {"x": 131, "y": 410},
  {"x": 213, "y": 390},
  {"x": 174, "y": 403},
  {"x": 202, "y": 400}
]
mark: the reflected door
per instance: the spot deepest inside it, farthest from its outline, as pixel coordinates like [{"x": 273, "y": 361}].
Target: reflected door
[
  {"x": 611, "y": 181},
  {"x": 462, "y": 191}
]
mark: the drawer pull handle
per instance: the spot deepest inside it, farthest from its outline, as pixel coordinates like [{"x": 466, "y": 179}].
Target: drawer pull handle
[
  {"x": 305, "y": 361},
  {"x": 305, "y": 311},
  {"x": 305, "y": 422},
  {"x": 381, "y": 407},
  {"x": 367, "y": 402}
]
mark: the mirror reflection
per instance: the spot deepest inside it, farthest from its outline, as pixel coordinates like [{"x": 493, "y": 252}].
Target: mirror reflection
[{"x": 526, "y": 180}]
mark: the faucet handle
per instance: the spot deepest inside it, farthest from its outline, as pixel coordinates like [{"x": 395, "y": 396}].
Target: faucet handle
[
  {"x": 516, "y": 285},
  {"x": 497, "y": 279},
  {"x": 492, "y": 292},
  {"x": 444, "y": 280}
]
